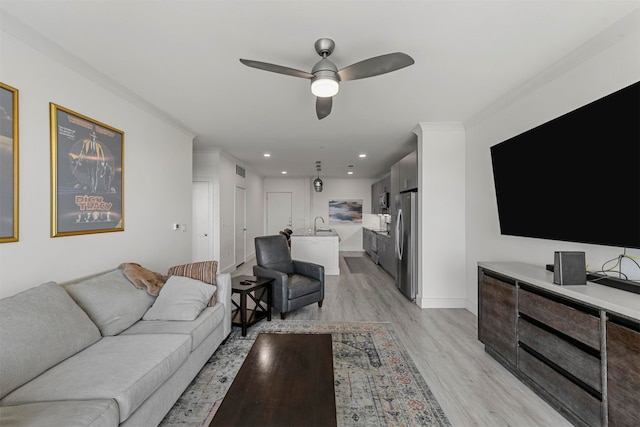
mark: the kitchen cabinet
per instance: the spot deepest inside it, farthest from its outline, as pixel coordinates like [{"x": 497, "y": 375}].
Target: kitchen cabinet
[
  {"x": 408, "y": 179},
  {"x": 376, "y": 190},
  {"x": 402, "y": 177},
  {"x": 394, "y": 188},
  {"x": 386, "y": 254},
  {"x": 380, "y": 247},
  {"x": 577, "y": 347},
  {"x": 367, "y": 241},
  {"x": 386, "y": 184}
]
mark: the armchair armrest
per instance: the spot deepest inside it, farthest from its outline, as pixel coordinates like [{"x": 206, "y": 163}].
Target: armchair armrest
[
  {"x": 309, "y": 269},
  {"x": 280, "y": 283},
  {"x": 260, "y": 271},
  {"x": 223, "y": 282}
]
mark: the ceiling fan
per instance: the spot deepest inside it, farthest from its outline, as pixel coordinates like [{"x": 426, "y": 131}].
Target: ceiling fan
[{"x": 325, "y": 76}]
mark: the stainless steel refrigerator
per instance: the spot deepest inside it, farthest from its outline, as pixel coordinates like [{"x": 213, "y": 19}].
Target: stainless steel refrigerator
[{"x": 407, "y": 243}]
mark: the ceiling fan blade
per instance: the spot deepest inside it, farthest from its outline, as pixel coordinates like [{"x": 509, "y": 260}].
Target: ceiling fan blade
[
  {"x": 276, "y": 68},
  {"x": 376, "y": 66},
  {"x": 323, "y": 106}
]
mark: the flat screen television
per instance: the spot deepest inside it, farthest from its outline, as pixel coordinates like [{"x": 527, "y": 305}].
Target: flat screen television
[{"x": 575, "y": 178}]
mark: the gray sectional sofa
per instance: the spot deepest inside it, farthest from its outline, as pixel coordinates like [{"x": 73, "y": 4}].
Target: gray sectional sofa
[{"x": 81, "y": 354}]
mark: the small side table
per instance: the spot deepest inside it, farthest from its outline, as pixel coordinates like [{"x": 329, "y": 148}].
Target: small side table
[{"x": 243, "y": 316}]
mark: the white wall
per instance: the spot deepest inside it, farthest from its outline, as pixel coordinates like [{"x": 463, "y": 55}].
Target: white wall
[
  {"x": 336, "y": 189},
  {"x": 206, "y": 167},
  {"x": 157, "y": 178},
  {"x": 219, "y": 169},
  {"x": 307, "y": 204},
  {"x": 255, "y": 210},
  {"x": 614, "y": 66},
  {"x": 227, "y": 176},
  {"x": 441, "y": 177},
  {"x": 299, "y": 189}
]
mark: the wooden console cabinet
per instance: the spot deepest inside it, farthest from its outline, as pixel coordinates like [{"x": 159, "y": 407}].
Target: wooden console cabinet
[
  {"x": 623, "y": 372},
  {"x": 566, "y": 343},
  {"x": 497, "y": 315}
]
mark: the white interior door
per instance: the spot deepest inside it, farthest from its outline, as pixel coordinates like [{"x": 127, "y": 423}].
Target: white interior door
[
  {"x": 201, "y": 220},
  {"x": 241, "y": 226},
  {"x": 278, "y": 212}
]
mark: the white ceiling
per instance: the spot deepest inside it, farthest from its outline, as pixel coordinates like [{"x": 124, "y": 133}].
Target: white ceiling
[{"x": 179, "y": 59}]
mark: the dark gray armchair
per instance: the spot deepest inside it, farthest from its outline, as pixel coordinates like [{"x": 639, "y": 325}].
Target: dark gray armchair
[{"x": 296, "y": 283}]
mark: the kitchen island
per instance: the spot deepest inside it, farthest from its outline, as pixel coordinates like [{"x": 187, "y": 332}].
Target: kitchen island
[{"x": 320, "y": 247}]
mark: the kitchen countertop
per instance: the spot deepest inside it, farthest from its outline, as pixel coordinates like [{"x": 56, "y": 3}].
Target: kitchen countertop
[
  {"x": 304, "y": 232},
  {"x": 380, "y": 231}
]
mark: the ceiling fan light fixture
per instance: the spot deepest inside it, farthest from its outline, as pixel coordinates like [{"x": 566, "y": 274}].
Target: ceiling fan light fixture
[
  {"x": 325, "y": 77},
  {"x": 324, "y": 87}
]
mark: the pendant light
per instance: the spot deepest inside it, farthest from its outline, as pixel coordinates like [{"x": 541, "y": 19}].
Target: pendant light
[{"x": 317, "y": 183}]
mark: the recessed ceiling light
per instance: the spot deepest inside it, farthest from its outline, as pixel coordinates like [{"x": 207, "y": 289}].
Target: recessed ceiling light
[
  {"x": 350, "y": 173},
  {"x": 362, "y": 155},
  {"x": 267, "y": 155},
  {"x": 284, "y": 172}
]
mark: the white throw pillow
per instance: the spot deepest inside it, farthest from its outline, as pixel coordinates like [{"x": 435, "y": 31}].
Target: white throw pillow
[{"x": 181, "y": 298}]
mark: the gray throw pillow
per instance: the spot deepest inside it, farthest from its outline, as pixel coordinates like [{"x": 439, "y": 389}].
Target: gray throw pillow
[
  {"x": 111, "y": 301},
  {"x": 181, "y": 298}
]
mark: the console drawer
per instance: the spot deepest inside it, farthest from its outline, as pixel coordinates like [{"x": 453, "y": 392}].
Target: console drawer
[
  {"x": 497, "y": 328},
  {"x": 623, "y": 373},
  {"x": 580, "y": 364},
  {"x": 582, "y": 404},
  {"x": 568, "y": 320}
]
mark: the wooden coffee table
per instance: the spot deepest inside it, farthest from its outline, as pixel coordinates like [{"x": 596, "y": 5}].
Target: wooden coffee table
[{"x": 286, "y": 380}]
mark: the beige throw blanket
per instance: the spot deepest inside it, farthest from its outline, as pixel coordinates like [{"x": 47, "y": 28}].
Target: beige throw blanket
[{"x": 142, "y": 278}]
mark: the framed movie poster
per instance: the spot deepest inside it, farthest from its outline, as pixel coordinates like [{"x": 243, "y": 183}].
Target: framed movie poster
[
  {"x": 86, "y": 175},
  {"x": 8, "y": 164}
]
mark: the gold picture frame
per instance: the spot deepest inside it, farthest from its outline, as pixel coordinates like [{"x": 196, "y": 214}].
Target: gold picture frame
[
  {"x": 87, "y": 182},
  {"x": 9, "y": 176}
]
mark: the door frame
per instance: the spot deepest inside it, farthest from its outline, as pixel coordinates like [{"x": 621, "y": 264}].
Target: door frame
[
  {"x": 243, "y": 217},
  {"x": 209, "y": 218}
]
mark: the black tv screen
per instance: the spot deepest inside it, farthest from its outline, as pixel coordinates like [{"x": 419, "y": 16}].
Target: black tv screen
[{"x": 575, "y": 178}]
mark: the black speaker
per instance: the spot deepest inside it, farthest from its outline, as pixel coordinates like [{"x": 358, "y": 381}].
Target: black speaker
[{"x": 569, "y": 268}]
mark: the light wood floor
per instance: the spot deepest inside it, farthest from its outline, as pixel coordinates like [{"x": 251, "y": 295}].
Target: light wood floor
[{"x": 472, "y": 388}]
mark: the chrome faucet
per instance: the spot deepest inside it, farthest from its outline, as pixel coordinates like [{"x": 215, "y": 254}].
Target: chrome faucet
[{"x": 315, "y": 224}]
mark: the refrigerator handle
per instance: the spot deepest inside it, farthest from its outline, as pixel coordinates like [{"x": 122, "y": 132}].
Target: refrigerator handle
[{"x": 399, "y": 234}]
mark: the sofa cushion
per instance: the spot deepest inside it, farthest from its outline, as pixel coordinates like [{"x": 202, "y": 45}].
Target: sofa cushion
[
  {"x": 110, "y": 300},
  {"x": 199, "y": 329},
  {"x": 181, "y": 298},
  {"x": 127, "y": 368},
  {"x": 205, "y": 271},
  {"x": 40, "y": 327},
  {"x": 68, "y": 413},
  {"x": 300, "y": 285}
]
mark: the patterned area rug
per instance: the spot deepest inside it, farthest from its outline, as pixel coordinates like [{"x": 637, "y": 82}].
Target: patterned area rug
[{"x": 376, "y": 382}]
